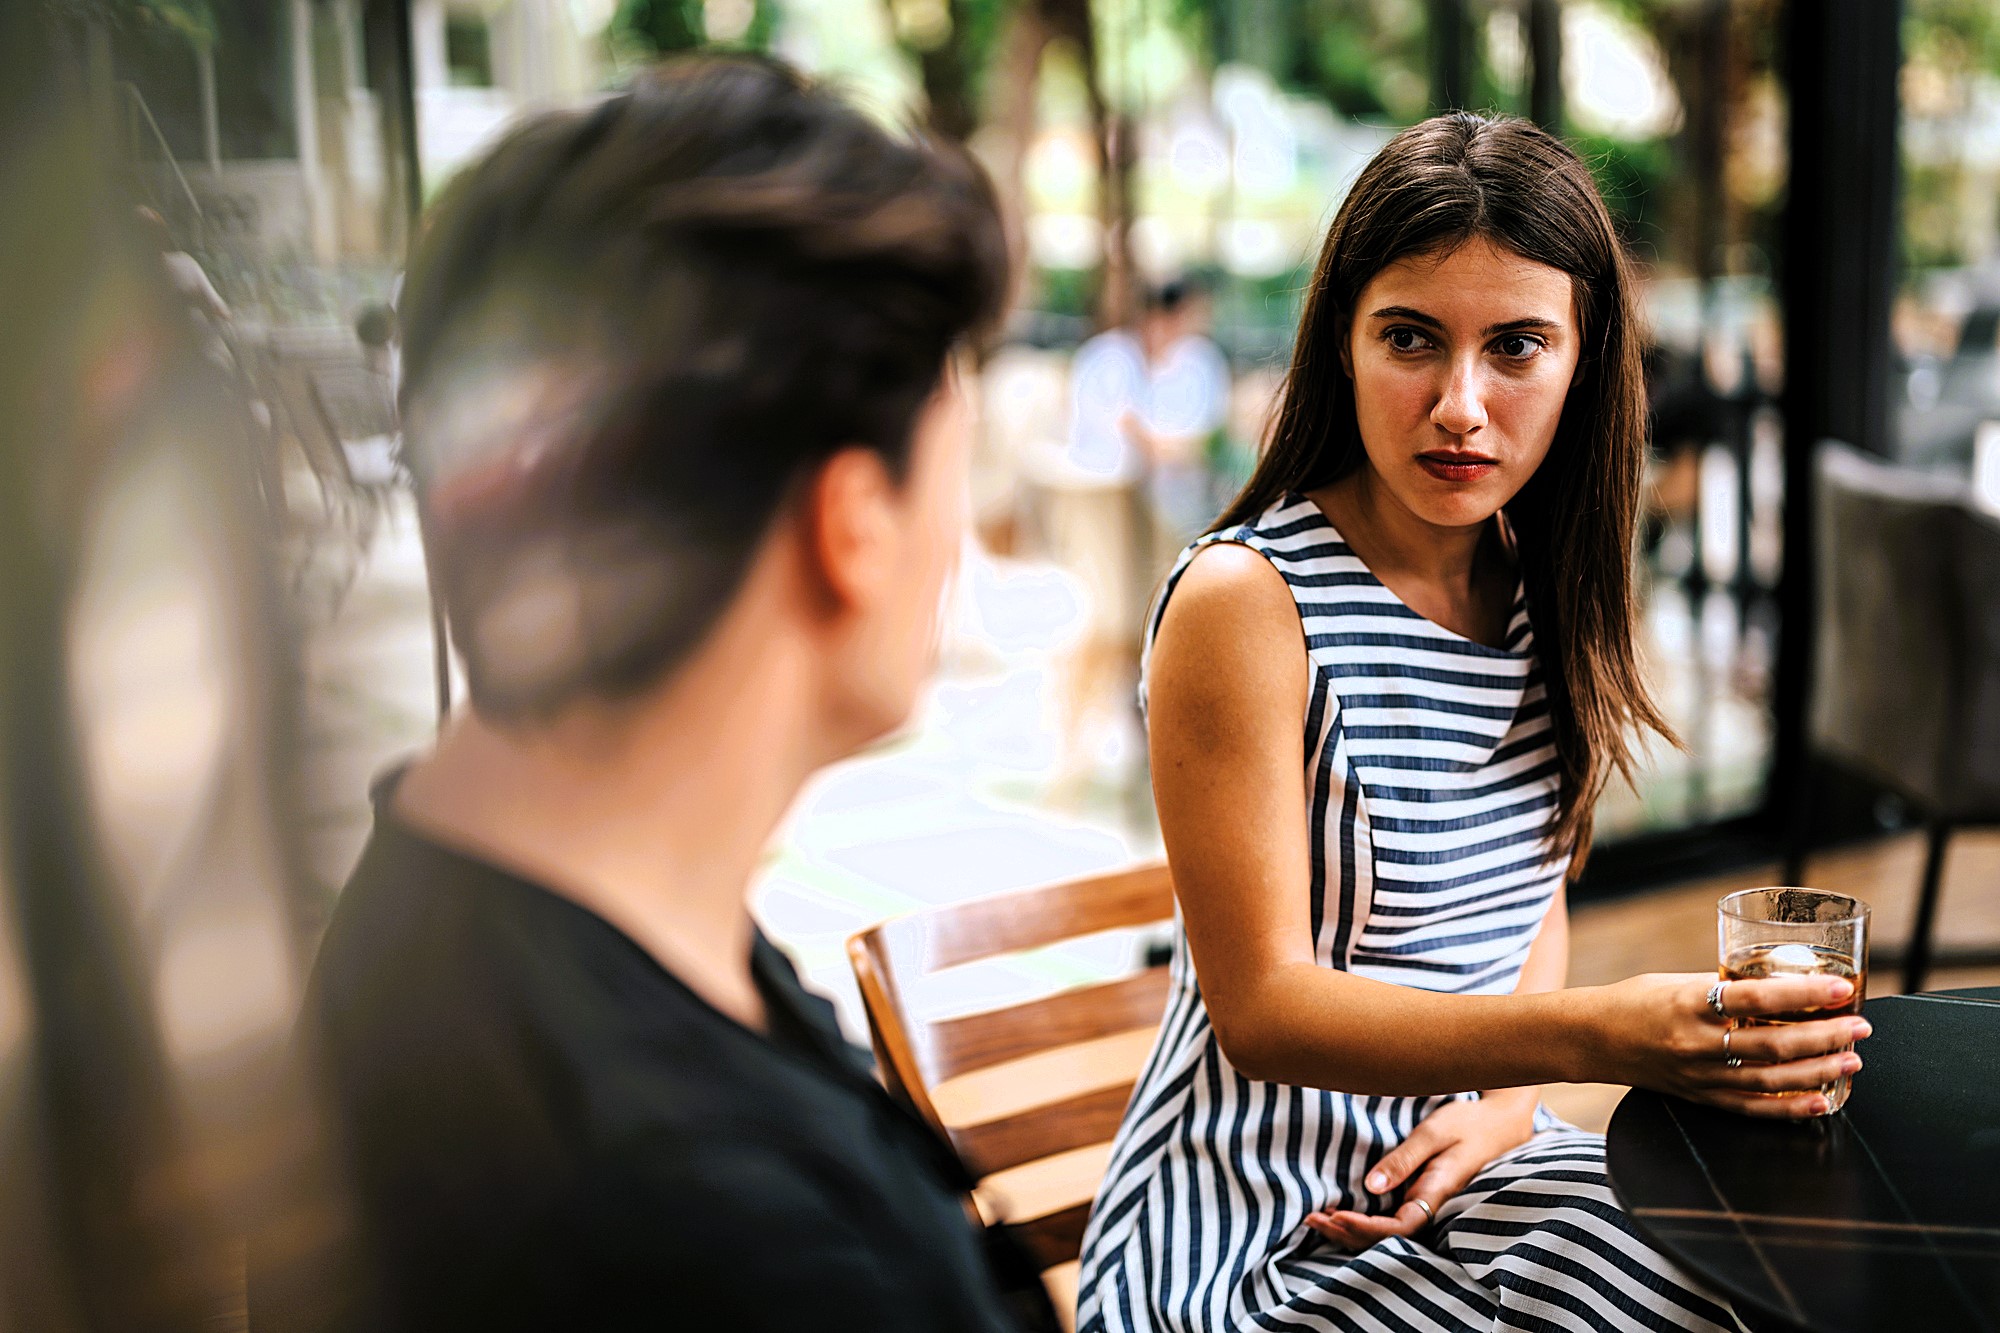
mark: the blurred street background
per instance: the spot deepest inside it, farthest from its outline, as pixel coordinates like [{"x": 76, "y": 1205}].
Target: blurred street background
[{"x": 1140, "y": 144}]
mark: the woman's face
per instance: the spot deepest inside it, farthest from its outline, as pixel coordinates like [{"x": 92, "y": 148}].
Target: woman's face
[{"x": 1461, "y": 365}]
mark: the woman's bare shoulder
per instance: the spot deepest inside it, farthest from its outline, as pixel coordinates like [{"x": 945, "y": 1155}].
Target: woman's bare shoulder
[
  {"x": 1229, "y": 585},
  {"x": 1231, "y": 631}
]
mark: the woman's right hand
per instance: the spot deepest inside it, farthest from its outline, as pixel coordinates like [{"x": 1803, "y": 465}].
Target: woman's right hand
[{"x": 1659, "y": 1032}]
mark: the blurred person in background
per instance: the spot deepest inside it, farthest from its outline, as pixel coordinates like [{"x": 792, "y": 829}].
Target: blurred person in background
[
  {"x": 1384, "y": 693},
  {"x": 189, "y": 279},
  {"x": 1147, "y": 401},
  {"x": 375, "y": 330},
  {"x": 206, "y": 309},
  {"x": 1145, "y": 404},
  {"x": 681, "y": 405}
]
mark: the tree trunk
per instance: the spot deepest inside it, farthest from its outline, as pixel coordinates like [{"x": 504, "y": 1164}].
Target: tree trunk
[
  {"x": 944, "y": 67},
  {"x": 1115, "y": 157},
  {"x": 1011, "y": 114}
]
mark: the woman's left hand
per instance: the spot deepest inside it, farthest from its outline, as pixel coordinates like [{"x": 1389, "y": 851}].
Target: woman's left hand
[{"x": 1442, "y": 1155}]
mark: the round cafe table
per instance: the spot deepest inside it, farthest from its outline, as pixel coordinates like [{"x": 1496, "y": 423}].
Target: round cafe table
[{"x": 1884, "y": 1216}]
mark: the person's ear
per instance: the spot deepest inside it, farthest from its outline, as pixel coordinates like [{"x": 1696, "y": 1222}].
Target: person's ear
[
  {"x": 1346, "y": 345},
  {"x": 848, "y": 514}
]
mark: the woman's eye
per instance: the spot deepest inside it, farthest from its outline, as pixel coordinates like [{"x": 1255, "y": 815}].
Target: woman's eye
[
  {"x": 1406, "y": 340},
  {"x": 1518, "y": 346}
]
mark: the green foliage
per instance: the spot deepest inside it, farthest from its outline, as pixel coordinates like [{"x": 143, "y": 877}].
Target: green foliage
[
  {"x": 191, "y": 20},
  {"x": 1065, "y": 291},
  {"x": 1200, "y": 22},
  {"x": 955, "y": 44},
  {"x": 978, "y": 24},
  {"x": 1932, "y": 196},
  {"x": 1276, "y": 299},
  {"x": 1343, "y": 68},
  {"x": 658, "y": 27},
  {"x": 1255, "y": 318},
  {"x": 1956, "y": 40},
  {"x": 644, "y": 29},
  {"x": 1634, "y": 178},
  {"x": 763, "y": 27},
  {"x": 1366, "y": 57},
  {"x": 1957, "y": 35},
  {"x": 984, "y": 22}
]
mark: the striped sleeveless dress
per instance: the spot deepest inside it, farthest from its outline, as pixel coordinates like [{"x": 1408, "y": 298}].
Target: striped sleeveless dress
[{"x": 1431, "y": 780}]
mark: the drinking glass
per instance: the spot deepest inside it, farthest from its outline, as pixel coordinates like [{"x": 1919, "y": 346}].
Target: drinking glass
[{"x": 1788, "y": 932}]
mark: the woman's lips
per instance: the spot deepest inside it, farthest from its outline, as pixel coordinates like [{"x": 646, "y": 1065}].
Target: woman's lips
[{"x": 1458, "y": 467}]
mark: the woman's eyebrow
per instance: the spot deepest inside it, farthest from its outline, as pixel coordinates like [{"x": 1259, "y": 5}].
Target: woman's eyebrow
[
  {"x": 1530, "y": 323},
  {"x": 1405, "y": 312}
]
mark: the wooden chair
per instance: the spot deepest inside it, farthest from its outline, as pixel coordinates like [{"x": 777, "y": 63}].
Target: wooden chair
[{"x": 1030, "y": 1094}]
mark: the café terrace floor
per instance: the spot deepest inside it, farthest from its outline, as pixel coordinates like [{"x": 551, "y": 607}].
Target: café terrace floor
[{"x": 981, "y": 796}]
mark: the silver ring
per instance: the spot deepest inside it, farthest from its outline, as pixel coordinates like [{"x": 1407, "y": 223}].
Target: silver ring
[
  {"x": 1715, "y": 999},
  {"x": 1732, "y": 1061},
  {"x": 1428, "y": 1215}
]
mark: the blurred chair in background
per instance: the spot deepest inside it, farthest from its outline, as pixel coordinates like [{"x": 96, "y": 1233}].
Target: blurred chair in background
[
  {"x": 1029, "y": 1095},
  {"x": 1907, "y": 665},
  {"x": 151, "y": 935}
]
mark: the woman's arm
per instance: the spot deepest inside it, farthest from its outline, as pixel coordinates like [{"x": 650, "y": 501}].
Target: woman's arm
[
  {"x": 1547, "y": 969},
  {"x": 1227, "y": 693},
  {"x": 1454, "y": 1143}
]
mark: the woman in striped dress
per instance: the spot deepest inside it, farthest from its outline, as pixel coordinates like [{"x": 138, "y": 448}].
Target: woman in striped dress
[{"x": 1383, "y": 695}]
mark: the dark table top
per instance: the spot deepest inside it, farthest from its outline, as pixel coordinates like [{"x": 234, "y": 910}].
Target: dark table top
[{"x": 1885, "y": 1216}]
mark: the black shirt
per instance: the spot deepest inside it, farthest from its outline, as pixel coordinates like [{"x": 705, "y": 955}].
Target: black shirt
[{"x": 541, "y": 1127}]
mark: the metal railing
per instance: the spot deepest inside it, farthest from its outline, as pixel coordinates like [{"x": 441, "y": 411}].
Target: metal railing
[{"x": 136, "y": 110}]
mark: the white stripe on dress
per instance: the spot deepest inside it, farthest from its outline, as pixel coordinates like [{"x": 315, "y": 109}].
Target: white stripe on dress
[{"x": 1431, "y": 783}]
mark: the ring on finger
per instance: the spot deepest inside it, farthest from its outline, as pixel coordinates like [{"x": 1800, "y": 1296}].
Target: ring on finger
[
  {"x": 1715, "y": 999},
  {"x": 1732, "y": 1061},
  {"x": 1429, "y": 1216}
]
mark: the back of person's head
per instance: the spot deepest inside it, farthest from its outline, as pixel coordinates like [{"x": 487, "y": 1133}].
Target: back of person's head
[
  {"x": 632, "y": 332},
  {"x": 375, "y": 325},
  {"x": 1175, "y": 308},
  {"x": 1167, "y": 297}
]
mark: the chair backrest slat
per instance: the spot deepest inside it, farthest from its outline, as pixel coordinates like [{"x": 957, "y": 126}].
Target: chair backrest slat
[
  {"x": 1012, "y": 923},
  {"x": 1076, "y": 1122},
  {"x": 1061, "y": 1135},
  {"x": 958, "y": 1045}
]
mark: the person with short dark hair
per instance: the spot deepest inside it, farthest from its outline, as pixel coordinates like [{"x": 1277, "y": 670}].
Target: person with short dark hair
[{"x": 690, "y": 451}]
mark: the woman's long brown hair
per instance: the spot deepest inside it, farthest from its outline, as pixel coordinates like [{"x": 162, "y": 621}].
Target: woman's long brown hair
[{"x": 1432, "y": 188}]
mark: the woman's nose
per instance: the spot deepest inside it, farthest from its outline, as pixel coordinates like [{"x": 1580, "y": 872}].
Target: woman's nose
[{"x": 1461, "y": 406}]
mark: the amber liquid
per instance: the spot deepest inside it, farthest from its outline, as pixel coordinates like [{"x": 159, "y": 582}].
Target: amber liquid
[{"x": 1796, "y": 960}]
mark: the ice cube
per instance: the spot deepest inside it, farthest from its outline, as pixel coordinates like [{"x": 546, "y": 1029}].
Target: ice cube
[{"x": 1792, "y": 958}]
